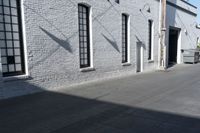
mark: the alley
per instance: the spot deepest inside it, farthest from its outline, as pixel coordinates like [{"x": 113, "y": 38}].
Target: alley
[{"x": 154, "y": 102}]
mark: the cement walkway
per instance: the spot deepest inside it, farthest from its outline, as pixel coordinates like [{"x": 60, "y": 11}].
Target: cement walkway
[{"x": 157, "y": 102}]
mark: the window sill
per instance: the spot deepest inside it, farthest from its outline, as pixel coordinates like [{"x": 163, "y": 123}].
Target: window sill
[
  {"x": 126, "y": 64},
  {"x": 14, "y": 78},
  {"x": 150, "y": 61},
  {"x": 87, "y": 69}
]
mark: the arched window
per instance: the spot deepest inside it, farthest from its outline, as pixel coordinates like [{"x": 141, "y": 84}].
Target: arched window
[
  {"x": 150, "y": 39},
  {"x": 84, "y": 35},
  {"x": 124, "y": 38},
  {"x": 11, "y": 41}
]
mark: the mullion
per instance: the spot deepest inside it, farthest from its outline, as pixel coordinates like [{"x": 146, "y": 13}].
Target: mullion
[
  {"x": 126, "y": 35},
  {"x": 83, "y": 35},
  {"x": 124, "y": 38},
  {"x": 150, "y": 39},
  {"x": 5, "y": 36},
  {"x": 88, "y": 33},
  {"x": 13, "y": 27},
  {"x": 7, "y": 6},
  {"x": 12, "y": 37}
]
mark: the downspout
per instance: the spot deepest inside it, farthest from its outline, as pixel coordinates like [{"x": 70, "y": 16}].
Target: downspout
[{"x": 162, "y": 61}]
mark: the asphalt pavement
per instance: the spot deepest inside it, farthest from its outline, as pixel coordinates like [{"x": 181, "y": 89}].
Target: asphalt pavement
[{"x": 153, "y": 102}]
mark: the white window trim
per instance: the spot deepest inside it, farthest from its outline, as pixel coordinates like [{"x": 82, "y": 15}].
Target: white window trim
[
  {"x": 24, "y": 39},
  {"x": 91, "y": 39},
  {"x": 179, "y": 59},
  {"x": 129, "y": 39}
]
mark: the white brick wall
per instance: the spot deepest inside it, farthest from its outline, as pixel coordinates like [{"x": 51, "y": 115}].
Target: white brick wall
[
  {"x": 186, "y": 22},
  {"x": 53, "y": 44}
]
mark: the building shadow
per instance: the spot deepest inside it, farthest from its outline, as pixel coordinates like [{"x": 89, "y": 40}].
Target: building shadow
[
  {"x": 63, "y": 43},
  {"x": 53, "y": 112},
  {"x": 112, "y": 42}
]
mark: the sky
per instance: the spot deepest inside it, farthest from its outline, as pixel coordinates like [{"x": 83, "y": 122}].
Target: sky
[{"x": 197, "y": 4}]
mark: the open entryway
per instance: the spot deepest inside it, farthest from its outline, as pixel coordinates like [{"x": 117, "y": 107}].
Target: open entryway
[
  {"x": 139, "y": 57},
  {"x": 173, "y": 46}
]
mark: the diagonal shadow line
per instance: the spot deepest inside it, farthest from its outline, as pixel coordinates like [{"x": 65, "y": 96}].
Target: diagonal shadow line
[
  {"x": 53, "y": 51},
  {"x": 103, "y": 13},
  {"x": 140, "y": 42},
  {"x": 63, "y": 43},
  {"x": 106, "y": 29},
  {"x": 113, "y": 43},
  {"x": 132, "y": 26},
  {"x": 50, "y": 23}
]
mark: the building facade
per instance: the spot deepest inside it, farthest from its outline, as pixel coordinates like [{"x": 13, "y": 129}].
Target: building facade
[
  {"x": 182, "y": 32},
  {"x": 49, "y": 44}
]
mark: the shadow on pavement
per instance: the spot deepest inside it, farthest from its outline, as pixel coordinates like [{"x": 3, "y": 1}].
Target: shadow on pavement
[{"x": 51, "y": 112}]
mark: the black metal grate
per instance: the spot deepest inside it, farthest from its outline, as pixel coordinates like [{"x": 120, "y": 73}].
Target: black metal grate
[
  {"x": 150, "y": 40},
  {"x": 11, "y": 43},
  {"x": 124, "y": 38},
  {"x": 84, "y": 35}
]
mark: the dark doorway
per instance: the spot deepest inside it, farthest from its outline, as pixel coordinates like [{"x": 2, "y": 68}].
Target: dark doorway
[{"x": 173, "y": 45}]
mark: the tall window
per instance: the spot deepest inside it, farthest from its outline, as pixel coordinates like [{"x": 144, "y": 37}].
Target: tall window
[
  {"x": 11, "y": 43},
  {"x": 84, "y": 35},
  {"x": 124, "y": 38},
  {"x": 150, "y": 25}
]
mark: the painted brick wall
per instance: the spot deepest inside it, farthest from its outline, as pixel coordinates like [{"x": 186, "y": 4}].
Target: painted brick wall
[
  {"x": 53, "y": 44},
  {"x": 186, "y": 22}
]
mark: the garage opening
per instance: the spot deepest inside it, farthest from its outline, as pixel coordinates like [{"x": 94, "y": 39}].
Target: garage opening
[{"x": 173, "y": 45}]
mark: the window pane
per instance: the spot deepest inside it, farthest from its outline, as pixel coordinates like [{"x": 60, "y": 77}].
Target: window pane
[
  {"x": 14, "y": 11},
  {"x": 1, "y": 27},
  {"x": 10, "y": 52},
  {"x": 4, "y": 68},
  {"x": 6, "y": 10},
  {"x": 8, "y": 35},
  {"x": 13, "y": 3},
  {"x": 18, "y": 67},
  {"x": 7, "y": 19},
  {"x": 4, "y": 60},
  {"x": 1, "y": 18},
  {"x": 11, "y": 68},
  {"x": 14, "y": 20},
  {"x": 17, "y": 52},
  {"x": 9, "y": 44},
  {"x": 1, "y": 9},
  {"x": 17, "y": 59},
  {"x": 3, "y": 52},
  {"x": 16, "y": 36},
  {"x": 2, "y": 35},
  {"x": 15, "y": 28},
  {"x": 2, "y": 44},
  {"x": 16, "y": 44},
  {"x": 11, "y": 59},
  {"x": 6, "y": 2},
  {"x": 8, "y": 27}
]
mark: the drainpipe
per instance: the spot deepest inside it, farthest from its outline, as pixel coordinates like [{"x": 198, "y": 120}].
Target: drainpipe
[{"x": 162, "y": 61}]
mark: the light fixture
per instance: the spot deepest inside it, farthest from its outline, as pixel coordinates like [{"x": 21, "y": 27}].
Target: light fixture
[
  {"x": 147, "y": 7},
  {"x": 117, "y": 1}
]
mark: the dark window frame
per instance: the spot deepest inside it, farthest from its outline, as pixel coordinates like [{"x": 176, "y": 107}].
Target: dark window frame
[
  {"x": 20, "y": 39},
  {"x": 150, "y": 38},
  {"x": 125, "y": 18},
  {"x": 84, "y": 35}
]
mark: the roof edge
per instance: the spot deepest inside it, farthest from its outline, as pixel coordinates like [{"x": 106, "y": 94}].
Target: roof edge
[{"x": 189, "y": 3}]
